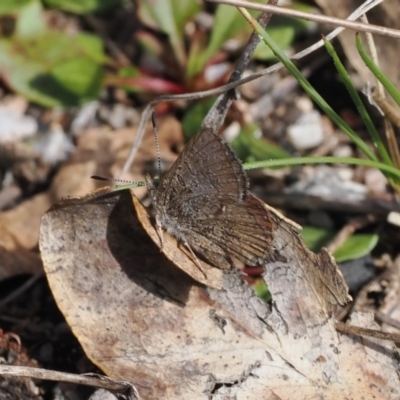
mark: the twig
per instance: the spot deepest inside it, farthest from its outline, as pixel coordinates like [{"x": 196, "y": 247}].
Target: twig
[
  {"x": 93, "y": 380},
  {"x": 366, "y": 6},
  {"x": 357, "y": 26},
  {"x": 388, "y": 110},
  {"x": 215, "y": 117},
  {"x": 374, "y": 54},
  {"x": 356, "y": 330}
]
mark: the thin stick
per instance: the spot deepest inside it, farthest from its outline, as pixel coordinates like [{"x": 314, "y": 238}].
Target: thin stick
[
  {"x": 357, "y": 330},
  {"x": 357, "y": 26},
  {"x": 88, "y": 380},
  {"x": 216, "y": 115}
]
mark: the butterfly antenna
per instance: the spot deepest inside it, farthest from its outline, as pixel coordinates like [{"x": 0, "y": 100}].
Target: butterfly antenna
[
  {"x": 153, "y": 121},
  {"x": 101, "y": 178}
]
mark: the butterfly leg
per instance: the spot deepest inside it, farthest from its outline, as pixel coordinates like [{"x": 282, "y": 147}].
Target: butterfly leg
[
  {"x": 153, "y": 194},
  {"x": 160, "y": 233},
  {"x": 195, "y": 259}
]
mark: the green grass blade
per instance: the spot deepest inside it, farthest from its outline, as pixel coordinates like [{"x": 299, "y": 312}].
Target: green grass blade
[
  {"x": 323, "y": 160},
  {"x": 359, "y": 104},
  {"x": 377, "y": 72}
]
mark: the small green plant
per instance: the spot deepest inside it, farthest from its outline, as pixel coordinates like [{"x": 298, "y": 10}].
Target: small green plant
[
  {"x": 47, "y": 66},
  {"x": 54, "y": 69},
  {"x": 190, "y": 51}
]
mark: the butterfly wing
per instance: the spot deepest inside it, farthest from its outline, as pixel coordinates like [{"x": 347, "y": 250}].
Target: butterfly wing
[
  {"x": 242, "y": 229},
  {"x": 206, "y": 165}
]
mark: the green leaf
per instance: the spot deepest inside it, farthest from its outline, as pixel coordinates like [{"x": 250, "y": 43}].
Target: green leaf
[
  {"x": 30, "y": 20},
  {"x": 83, "y": 6},
  {"x": 183, "y": 12},
  {"x": 316, "y": 238},
  {"x": 227, "y": 22},
  {"x": 80, "y": 77},
  {"x": 170, "y": 16},
  {"x": 356, "y": 246},
  {"x": 11, "y": 6},
  {"x": 322, "y": 160},
  {"x": 34, "y": 66},
  {"x": 262, "y": 291},
  {"x": 362, "y": 110},
  {"x": 249, "y": 148},
  {"x": 91, "y": 46}
]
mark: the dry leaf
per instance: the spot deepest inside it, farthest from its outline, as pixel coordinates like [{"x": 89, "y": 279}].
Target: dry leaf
[{"x": 141, "y": 319}]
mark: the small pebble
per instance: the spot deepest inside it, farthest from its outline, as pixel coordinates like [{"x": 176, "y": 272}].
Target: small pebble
[
  {"x": 307, "y": 132},
  {"x": 375, "y": 181}
]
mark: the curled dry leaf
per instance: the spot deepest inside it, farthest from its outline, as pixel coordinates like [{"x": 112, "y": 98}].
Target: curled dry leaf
[{"x": 141, "y": 319}]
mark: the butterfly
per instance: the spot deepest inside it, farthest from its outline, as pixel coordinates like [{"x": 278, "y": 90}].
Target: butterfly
[{"x": 203, "y": 201}]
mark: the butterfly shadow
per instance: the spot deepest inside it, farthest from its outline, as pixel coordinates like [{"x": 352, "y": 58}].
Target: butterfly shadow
[{"x": 140, "y": 258}]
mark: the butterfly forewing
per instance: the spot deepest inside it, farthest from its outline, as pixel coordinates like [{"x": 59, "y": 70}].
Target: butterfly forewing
[{"x": 205, "y": 166}]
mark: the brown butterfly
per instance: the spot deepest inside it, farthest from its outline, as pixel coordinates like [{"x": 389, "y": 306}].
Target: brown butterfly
[{"x": 203, "y": 201}]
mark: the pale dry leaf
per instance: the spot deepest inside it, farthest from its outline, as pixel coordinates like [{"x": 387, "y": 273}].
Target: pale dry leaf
[
  {"x": 141, "y": 319},
  {"x": 317, "y": 285}
]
